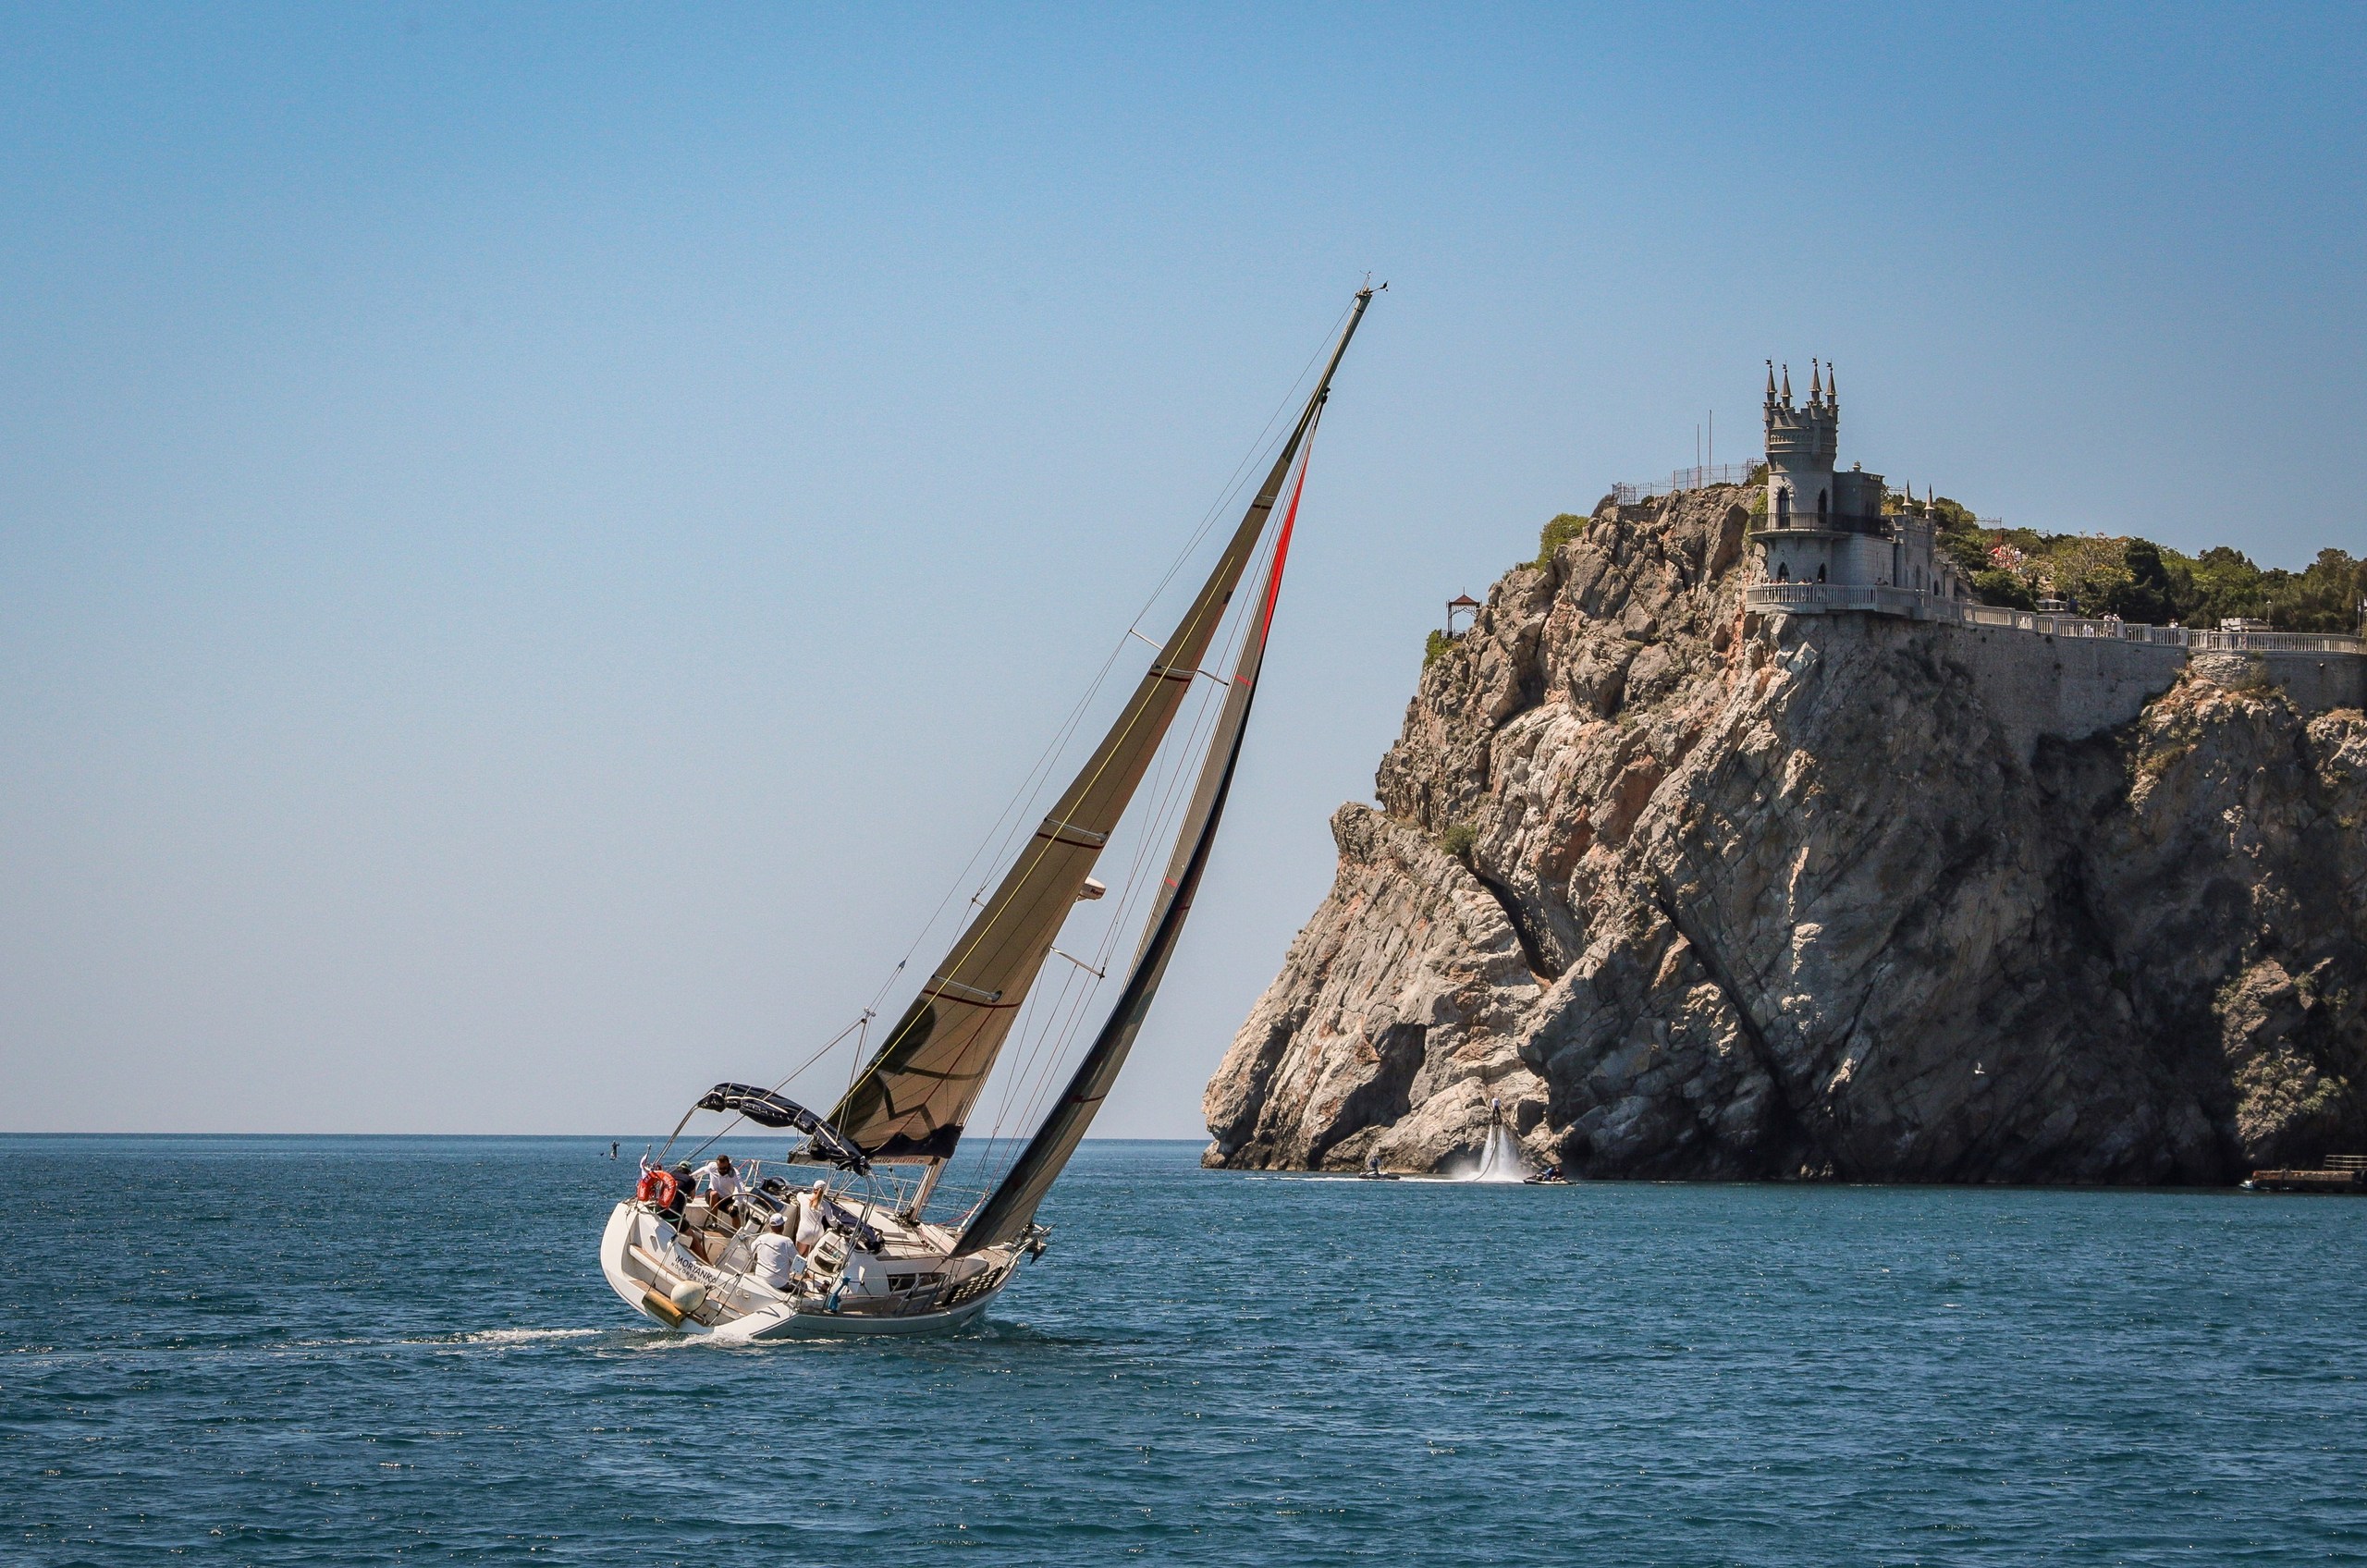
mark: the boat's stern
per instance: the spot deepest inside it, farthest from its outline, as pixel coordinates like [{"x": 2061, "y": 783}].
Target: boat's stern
[{"x": 632, "y": 1230}]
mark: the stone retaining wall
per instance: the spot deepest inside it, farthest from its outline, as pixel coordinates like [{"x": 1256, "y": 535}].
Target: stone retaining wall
[{"x": 2071, "y": 677}]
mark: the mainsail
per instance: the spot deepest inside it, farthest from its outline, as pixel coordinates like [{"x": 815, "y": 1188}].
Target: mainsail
[
  {"x": 913, "y": 1100},
  {"x": 1011, "y": 1207}
]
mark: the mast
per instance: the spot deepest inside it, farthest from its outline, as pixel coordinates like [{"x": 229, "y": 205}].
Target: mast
[
  {"x": 1009, "y": 1209},
  {"x": 913, "y": 1100}
]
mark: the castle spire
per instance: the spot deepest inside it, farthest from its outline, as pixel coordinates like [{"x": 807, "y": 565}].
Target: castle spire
[
  {"x": 1770, "y": 381},
  {"x": 1816, "y": 392},
  {"x": 1787, "y": 385},
  {"x": 1832, "y": 386}
]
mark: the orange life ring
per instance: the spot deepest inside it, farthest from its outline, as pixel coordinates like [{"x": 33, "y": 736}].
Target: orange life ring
[{"x": 658, "y": 1186}]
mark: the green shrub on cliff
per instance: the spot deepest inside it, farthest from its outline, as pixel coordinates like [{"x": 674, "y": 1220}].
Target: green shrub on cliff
[
  {"x": 1457, "y": 841},
  {"x": 1564, "y": 527},
  {"x": 1439, "y": 643}
]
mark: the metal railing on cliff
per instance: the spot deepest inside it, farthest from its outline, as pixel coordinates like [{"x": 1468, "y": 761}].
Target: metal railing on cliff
[
  {"x": 1685, "y": 479},
  {"x": 1882, "y": 599}
]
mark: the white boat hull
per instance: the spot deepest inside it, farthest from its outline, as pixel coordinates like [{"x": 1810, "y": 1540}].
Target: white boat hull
[{"x": 651, "y": 1272}]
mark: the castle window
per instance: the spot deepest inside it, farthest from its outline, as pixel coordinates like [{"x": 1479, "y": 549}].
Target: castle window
[{"x": 1821, "y": 507}]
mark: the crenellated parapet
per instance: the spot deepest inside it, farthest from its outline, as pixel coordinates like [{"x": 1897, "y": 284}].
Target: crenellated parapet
[{"x": 1803, "y": 443}]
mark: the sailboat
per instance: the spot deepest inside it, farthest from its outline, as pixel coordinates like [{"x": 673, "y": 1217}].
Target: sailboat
[{"x": 880, "y": 1249}]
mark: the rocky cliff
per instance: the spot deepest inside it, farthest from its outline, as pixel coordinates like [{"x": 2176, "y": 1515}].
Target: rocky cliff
[{"x": 1697, "y": 893}]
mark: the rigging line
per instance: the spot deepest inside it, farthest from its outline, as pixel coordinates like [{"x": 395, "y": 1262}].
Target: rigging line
[
  {"x": 1031, "y": 785},
  {"x": 1035, "y": 1067},
  {"x": 1038, "y": 778},
  {"x": 1248, "y": 464},
  {"x": 1169, "y": 791},
  {"x": 1243, "y": 467},
  {"x": 1049, "y": 1012},
  {"x": 1139, "y": 713},
  {"x": 989, "y": 1156},
  {"x": 1167, "y": 795},
  {"x": 1040, "y": 1055},
  {"x": 1044, "y": 1069},
  {"x": 1021, "y": 821},
  {"x": 1036, "y": 1072},
  {"x": 956, "y": 960},
  {"x": 1041, "y": 1069},
  {"x": 1256, "y": 621},
  {"x": 778, "y": 1087},
  {"x": 1033, "y": 1070},
  {"x": 855, "y": 1065},
  {"x": 1018, "y": 1030},
  {"x": 1202, "y": 725}
]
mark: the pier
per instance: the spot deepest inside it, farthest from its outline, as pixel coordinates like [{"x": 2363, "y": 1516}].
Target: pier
[{"x": 2341, "y": 1173}]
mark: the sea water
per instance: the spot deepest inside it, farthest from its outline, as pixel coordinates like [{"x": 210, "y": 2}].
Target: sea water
[{"x": 361, "y": 1351}]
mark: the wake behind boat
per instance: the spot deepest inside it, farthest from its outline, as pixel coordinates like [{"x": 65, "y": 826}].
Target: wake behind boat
[{"x": 861, "y": 1249}]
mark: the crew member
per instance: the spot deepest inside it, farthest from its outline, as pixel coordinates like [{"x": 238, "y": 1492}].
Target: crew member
[
  {"x": 723, "y": 1187},
  {"x": 810, "y": 1225},
  {"x": 778, "y": 1259}
]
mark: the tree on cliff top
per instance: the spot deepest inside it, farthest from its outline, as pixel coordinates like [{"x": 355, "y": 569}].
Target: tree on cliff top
[{"x": 2139, "y": 579}]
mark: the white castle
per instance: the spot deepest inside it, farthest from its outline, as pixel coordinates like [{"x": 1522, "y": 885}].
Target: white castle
[
  {"x": 1832, "y": 527},
  {"x": 1842, "y": 545}
]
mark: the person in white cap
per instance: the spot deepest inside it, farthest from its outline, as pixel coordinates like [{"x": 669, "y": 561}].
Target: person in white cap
[{"x": 777, "y": 1258}]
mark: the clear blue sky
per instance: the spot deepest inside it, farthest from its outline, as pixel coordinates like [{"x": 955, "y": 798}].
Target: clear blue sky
[{"x": 533, "y": 540}]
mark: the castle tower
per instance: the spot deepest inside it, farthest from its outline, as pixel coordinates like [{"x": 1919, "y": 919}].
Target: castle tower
[{"x": 1801, "y": 445}]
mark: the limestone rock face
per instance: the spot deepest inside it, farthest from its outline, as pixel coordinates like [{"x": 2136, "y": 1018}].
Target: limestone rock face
[{"x": 1799, "y": 897}]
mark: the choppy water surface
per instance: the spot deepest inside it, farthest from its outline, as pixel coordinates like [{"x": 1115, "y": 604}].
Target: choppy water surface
[{"x": 364, "y": 1350}]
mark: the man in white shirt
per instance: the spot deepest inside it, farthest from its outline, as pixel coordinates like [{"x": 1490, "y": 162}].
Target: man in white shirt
[
  {"x": 778, "y": 1260},
  {"x": 722, "y": 1185}
]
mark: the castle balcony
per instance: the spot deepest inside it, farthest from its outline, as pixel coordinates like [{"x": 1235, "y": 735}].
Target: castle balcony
[
  {"x": 1827, "y": 598},
  {"x": 1802, "y": 525}
]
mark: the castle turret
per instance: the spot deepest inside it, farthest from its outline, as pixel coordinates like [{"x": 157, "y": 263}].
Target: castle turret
[{"x": 1801, "y": 445}]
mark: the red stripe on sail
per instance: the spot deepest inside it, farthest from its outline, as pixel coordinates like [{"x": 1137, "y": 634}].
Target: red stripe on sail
[{"x": 1282, "y": 542}]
